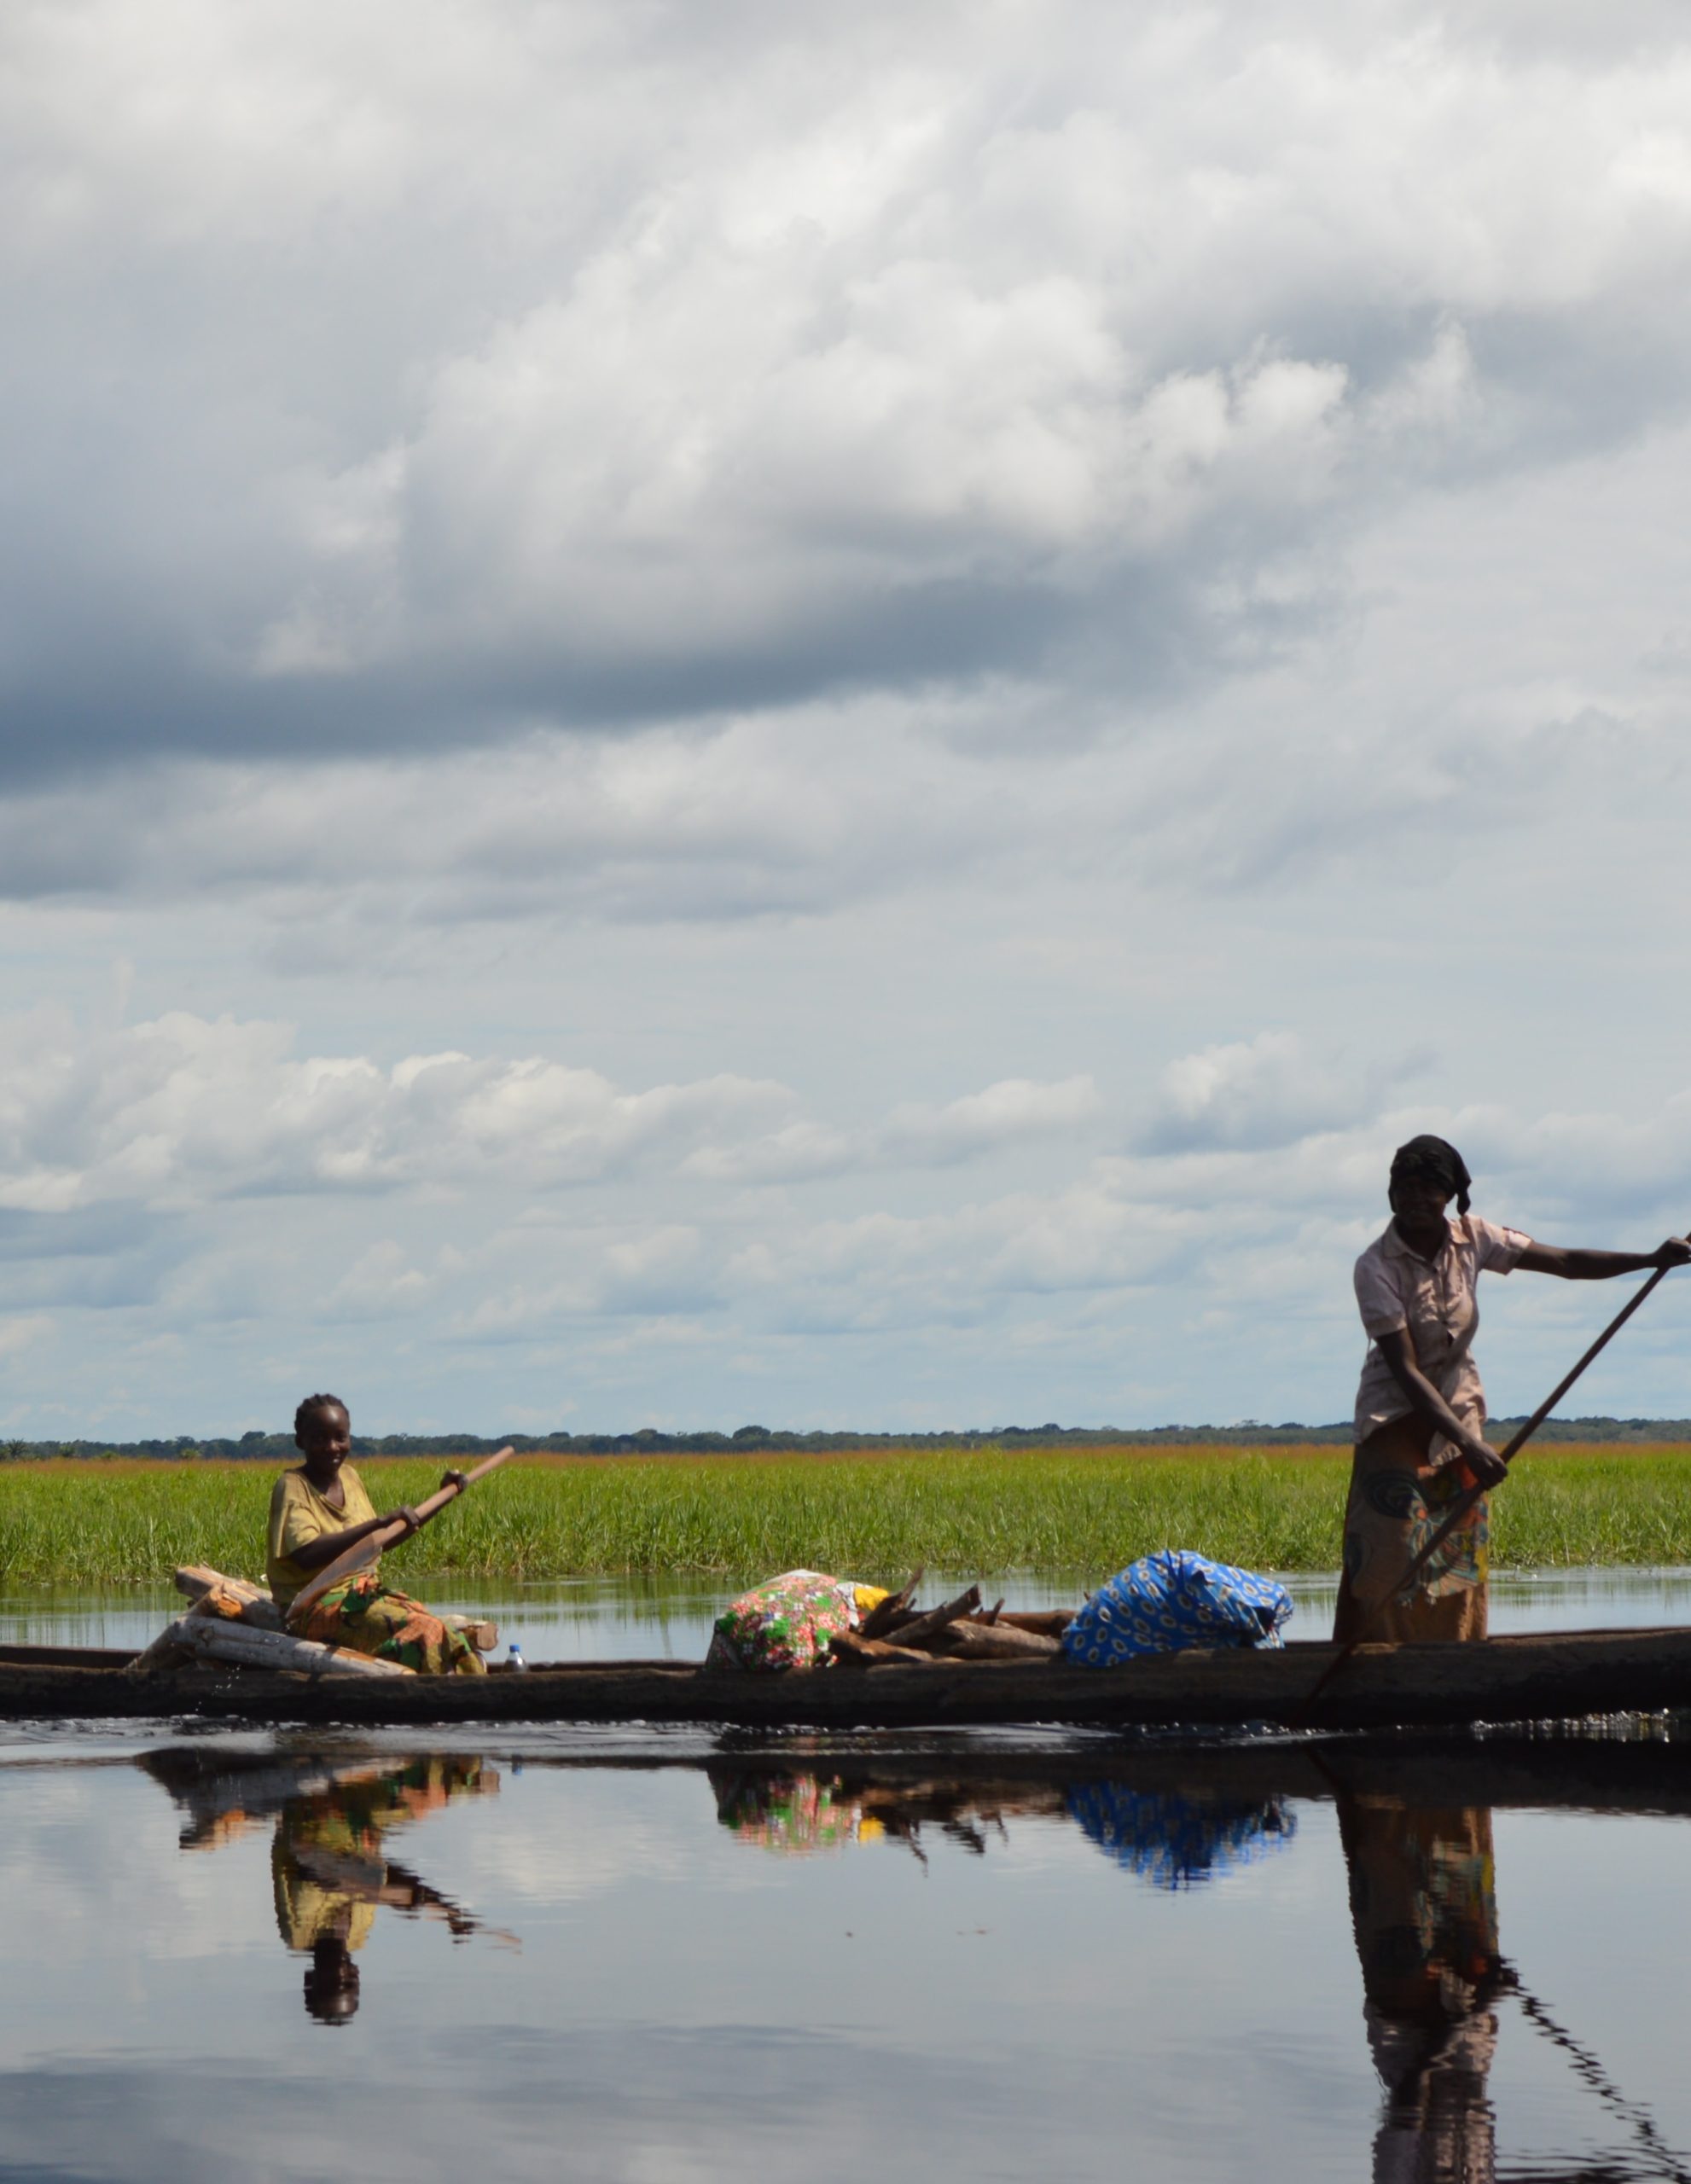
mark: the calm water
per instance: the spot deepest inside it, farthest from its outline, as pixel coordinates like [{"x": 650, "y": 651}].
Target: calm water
[
  {"x": 670, "y": 1619},
  {"x": 663, "y": 1955}
]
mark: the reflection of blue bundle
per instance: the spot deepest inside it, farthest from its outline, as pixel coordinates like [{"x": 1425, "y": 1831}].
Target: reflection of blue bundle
[
  {"x": 1176, "y": 1842},
  {"x": 1168, "y": 1602}
]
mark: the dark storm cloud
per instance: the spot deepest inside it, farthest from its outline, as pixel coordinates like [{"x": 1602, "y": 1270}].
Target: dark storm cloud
[{"x": 576, "y": 369}]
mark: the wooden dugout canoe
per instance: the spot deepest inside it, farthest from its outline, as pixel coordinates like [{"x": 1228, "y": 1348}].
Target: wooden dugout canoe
[{"x": 1555, "y": 1677}]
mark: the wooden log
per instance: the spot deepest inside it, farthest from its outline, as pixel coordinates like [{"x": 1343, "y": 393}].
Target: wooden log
[
  {"x": 924, "y": 1626},
  {"x": 165, "y": 1647},
  {"x": 197, "y": 1579},
  {"x": 853, "y": 1649},
  {"x": 894, "y": 1609},
  {"x": 995, "y": 1642},
  {"x": 1049, "y": 1621},
  {"x": 169, "y": 1644},
  {"x": 211, "y": 1637}
]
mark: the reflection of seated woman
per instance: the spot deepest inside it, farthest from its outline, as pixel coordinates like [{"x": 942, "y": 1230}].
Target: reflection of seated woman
[
  {"x": 1423, "y": 1905},
  {"x": 330, "y": 1869},
  {"x": 317, "y": 1512}
]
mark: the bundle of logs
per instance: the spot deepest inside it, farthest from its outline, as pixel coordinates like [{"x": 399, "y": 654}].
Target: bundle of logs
[
  {"x": 238, "y": 1625},
  {"x": 895, "y": 1630}
]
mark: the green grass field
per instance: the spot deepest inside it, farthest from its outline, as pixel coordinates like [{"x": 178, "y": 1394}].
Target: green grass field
[{"x": 867, "y": 1516}]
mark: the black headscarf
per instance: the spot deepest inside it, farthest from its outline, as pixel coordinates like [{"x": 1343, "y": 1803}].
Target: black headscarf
[{"x": 1438, "y": 1161}]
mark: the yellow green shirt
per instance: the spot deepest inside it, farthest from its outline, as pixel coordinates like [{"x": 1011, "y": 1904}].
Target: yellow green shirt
[
  {"x": 308, "y": 1911},
  {"x": 299, "y": 1514}
]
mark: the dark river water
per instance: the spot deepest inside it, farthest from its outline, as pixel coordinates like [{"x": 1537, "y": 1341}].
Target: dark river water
[{"x": 655, "y": 1955}]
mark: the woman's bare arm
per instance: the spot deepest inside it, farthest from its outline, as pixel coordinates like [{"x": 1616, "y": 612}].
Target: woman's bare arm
[
  {"x": 1431, "y": 1408},
  {"x": 1571, "y": 1264},
  {"x": 317, "y": 1554}
]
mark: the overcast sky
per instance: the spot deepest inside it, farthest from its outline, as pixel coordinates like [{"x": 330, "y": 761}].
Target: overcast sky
[{"x": 829, "y": 717}]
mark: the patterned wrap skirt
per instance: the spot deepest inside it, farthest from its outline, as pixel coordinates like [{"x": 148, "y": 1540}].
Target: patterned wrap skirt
[
  {"x": 366, "y": 1617},
  {"x": 1394, "y": 1508}
]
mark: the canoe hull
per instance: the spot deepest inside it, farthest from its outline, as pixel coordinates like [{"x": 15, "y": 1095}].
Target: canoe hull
[{"x": 1503, "y": 1680}]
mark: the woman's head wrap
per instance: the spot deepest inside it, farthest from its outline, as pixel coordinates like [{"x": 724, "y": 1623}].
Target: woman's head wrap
[{"x": 1438, "y": 1161}]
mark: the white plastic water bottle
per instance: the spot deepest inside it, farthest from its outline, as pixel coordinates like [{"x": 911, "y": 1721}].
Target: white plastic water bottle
[{"x": 514, "y": 1660}]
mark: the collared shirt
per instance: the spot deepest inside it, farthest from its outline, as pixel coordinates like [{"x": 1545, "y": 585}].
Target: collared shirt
[
  {"x": 1434, "y": 1299},
  {"x": 299, "y": 1514}
]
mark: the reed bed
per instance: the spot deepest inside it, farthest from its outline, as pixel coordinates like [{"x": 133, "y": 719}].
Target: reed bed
[{"x": 987, "y": 1510}]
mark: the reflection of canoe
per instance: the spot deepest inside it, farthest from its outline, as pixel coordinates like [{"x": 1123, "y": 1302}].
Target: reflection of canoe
[
  {"x": 1518, "y": 1769},
  {"x": 938, "y": 1780},
  {"x": 1514, "y": 1679}
]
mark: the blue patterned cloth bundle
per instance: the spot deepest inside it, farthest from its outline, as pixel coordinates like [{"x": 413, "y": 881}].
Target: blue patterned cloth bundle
[{"x": 1170, "y": 1600}]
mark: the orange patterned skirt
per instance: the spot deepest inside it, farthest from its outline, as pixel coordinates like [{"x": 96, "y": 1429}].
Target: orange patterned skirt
[
  {"x": 366, "y": 1617},
  {"x": 1395, "y": 1506}
]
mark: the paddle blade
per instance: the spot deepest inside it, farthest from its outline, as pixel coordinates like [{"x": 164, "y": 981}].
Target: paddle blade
[{"x": 358, "y": 1557}]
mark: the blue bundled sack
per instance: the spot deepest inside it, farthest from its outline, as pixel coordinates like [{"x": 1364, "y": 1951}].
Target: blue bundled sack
[{"x": 1170, "y": 1600}]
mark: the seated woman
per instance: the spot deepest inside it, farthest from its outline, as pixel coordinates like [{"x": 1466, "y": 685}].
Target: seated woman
[{"x": 320, "y": 1510}]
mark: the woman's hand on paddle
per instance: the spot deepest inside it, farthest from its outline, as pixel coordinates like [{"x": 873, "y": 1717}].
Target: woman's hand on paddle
[
  {"x": 412, "y": 1519},
  {"x": 1484, "y": 1465},
  {"x": 1482, "y": 1461},
  {"x": 1676, "y": 1251}
]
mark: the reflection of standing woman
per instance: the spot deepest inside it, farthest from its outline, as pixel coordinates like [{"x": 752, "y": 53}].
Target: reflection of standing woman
[
  {"x": 1421, "y": 1410},
  {"x": 1424, "y": 1907}
]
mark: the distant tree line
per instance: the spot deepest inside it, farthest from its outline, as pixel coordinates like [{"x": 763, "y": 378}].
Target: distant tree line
[{"x": 277, "y": 1449}]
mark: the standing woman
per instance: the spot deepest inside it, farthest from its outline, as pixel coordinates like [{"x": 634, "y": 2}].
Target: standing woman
[{"x": 1421, "y": 1410}]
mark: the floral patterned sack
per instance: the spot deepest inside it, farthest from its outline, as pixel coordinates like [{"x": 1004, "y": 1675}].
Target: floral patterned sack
[{"x": 788, "y": 1622}]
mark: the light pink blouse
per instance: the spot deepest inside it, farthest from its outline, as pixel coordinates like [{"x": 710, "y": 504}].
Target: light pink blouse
[{"x": 1434, "y": 1299}]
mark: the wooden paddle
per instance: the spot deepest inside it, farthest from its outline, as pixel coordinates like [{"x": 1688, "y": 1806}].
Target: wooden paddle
[
  {"x": 1465, "y": 1502},
  {"x": 366, "y": 1550}
]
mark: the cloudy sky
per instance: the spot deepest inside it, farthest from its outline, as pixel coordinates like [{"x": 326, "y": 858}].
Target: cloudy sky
[{"x": 830, "y": 717}]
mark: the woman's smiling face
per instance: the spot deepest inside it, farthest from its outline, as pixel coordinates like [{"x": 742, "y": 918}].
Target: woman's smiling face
[
  {"x": 1419, "y": 1203},
  {"x": 325, "y": 1438}
]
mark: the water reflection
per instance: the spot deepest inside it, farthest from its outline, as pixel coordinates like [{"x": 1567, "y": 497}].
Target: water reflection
[
  {"x": 1423, "y": 1898},
  {"x": 1414, "y": 1827},
  {"x": 1424, "y": 1906},
  {"x": 798, "y": 1812},
  {"x": 1180, "y": 1839},
  {"x": 1174, "y": 1838},
  {"x": 331, "y": 1864},
  {"x": 1421, "y": 1881}
]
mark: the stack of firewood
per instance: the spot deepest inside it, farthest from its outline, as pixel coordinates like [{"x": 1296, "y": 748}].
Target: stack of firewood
[{"x": 896, "y": 1630}]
